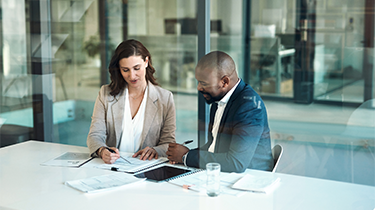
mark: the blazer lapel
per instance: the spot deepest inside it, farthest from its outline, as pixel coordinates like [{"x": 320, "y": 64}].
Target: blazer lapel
[
  {"x": 150, "y": 112},
  {"x": 118, "y": 107}
]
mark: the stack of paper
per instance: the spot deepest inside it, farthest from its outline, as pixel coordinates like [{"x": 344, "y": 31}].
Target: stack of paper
[
  {"x": 69, "y": 159},
  {"x": 102, "y": 183},
  {"x": 263, "y": 184},
  {"x": 2, "y": 121}
]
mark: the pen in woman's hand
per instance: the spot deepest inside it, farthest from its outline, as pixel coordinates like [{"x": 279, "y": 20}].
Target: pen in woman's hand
[
  {"x": 113, "y": 151},
  {"x": 187, "y": 142}
]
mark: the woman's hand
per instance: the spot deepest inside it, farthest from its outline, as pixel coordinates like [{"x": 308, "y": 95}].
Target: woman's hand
[
  {"x": 107, "y": 156},
  {"x": 146, "y": 153}
]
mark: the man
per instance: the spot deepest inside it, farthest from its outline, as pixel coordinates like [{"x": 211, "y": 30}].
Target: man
[{"x": 239, "y": 136}]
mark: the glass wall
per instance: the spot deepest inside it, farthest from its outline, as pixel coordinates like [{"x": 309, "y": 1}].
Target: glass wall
[
  {"x": 308, "y": 61},
  {"x": 168, "y": 29},
  {"x": 81, "y": 33},
  {"x": 311, "y": 61}
]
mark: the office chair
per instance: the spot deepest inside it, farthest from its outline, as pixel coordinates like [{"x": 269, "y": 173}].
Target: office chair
[{"x": 277, "y": 152}]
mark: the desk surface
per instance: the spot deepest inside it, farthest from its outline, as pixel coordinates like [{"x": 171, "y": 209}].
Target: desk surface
[{"x": 25, "y": 184}]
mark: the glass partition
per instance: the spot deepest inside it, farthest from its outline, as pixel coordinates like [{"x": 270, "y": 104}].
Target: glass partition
[
  {"x": 168, "y": 29},
  {"x": 82, "y": 36},
  {"x": 311, "y": 61}
]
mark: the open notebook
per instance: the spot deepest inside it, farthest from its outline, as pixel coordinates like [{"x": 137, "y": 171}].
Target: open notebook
[
  {"x": 230, "y": 183},
  {"x": 132, "y": 165},
  {"x": 197, "y": 182}
]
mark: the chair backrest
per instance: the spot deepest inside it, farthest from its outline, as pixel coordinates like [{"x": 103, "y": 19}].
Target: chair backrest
[{"x": 277, "y": 152}]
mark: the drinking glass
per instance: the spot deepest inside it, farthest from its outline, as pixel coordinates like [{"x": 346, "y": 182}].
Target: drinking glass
[{"x": 213, "y": 179}]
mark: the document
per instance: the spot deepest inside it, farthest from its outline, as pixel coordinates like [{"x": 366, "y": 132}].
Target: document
[
  {"x": 197, "y": 182},
  {"x": 103, "y": 183},
  {"x": 2, "y": 121},
  {"x": 69, "y": 159},
  {"x": 132, "y": 165},
  {"x": 262, "y": 184}
]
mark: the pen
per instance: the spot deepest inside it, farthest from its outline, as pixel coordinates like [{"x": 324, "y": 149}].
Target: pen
[
  {"x": 187, "y": 142},
  {"x": 113, "y": 151},
  {"x": 185, "y": 186}
]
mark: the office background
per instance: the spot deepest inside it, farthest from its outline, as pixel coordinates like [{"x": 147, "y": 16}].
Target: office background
[{"x": 311, "y": 61}]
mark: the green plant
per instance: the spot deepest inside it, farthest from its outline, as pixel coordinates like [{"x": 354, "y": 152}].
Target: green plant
[{"x": 92, "y": 46}]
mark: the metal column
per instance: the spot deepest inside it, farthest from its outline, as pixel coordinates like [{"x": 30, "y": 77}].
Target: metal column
[
  {"x": 246, "y": 34},
  {"x": 203, "y": 18},
  {"x": 41, "y": 68},
  {"x": 368, "y": 66}
]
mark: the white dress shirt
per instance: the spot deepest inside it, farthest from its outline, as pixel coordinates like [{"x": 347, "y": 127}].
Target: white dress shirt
[
  {"x": 219, "y": 114},
  {"x": 132, "y": 128}
]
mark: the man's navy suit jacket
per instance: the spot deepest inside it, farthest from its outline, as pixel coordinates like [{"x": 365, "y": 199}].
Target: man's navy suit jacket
[{"x": 243, "y": 139}]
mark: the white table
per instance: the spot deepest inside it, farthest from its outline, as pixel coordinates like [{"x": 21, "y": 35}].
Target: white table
[{"x": 25, "y": 184}]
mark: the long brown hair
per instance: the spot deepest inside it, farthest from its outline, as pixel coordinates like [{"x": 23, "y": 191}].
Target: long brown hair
[{"x": 124, "y": 50}]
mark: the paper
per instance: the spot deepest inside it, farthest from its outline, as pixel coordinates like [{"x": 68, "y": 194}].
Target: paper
[
  {"x": 2, "y": 121},
  {"x": 262, "y": 184},
  {"x": 197, "y": 182},
  {"x": 103, "y": 183},
  {"x": 69, "y": 159},
  {"x": 135, "y": 164}
]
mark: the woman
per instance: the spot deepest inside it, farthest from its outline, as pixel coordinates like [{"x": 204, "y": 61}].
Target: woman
[{"x": 132, "y": 113}]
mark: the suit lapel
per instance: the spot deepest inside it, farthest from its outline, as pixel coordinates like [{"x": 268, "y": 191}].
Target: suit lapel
[
  {"x": 235, "y": 94},
  {"x": 150, "y": 112},
  {"x": 118, "y": 115}
]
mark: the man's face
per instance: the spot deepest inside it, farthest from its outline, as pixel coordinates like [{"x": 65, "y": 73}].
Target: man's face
[{"x": 209, "y": 85}]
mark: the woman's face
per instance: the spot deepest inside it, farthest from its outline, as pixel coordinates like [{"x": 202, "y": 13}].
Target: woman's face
[{"x": 133, "y": 70}]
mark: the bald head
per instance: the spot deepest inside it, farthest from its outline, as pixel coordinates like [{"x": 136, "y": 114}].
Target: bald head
[
  {"x": 216, "y": 75},
  {"x": 218, "y": 62}
]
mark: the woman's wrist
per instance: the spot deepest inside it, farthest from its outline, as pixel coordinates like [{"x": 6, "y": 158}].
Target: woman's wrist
[{"x": 99, "y": 153}]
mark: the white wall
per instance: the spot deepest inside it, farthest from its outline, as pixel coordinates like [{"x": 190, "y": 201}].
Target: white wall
[
  {"x": 230, "y": 13},
  {"x": 146, "y": 17}
]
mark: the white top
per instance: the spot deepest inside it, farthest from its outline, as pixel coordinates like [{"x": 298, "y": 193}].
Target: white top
[
  {"x": 219, "y": 114},
  {"x": 132, "y": 128}
]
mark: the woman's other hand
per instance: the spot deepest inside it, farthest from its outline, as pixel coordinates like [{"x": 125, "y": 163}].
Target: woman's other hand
[{"x": 146, "y": 153}]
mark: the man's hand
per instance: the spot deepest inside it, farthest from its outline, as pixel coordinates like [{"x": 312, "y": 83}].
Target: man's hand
[
  {"x": 145, "y": 153},
  {"x": 175, "y": 152}
]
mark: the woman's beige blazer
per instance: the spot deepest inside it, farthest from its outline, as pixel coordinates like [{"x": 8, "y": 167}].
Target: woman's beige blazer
[{"x": 159, "y": 123}]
